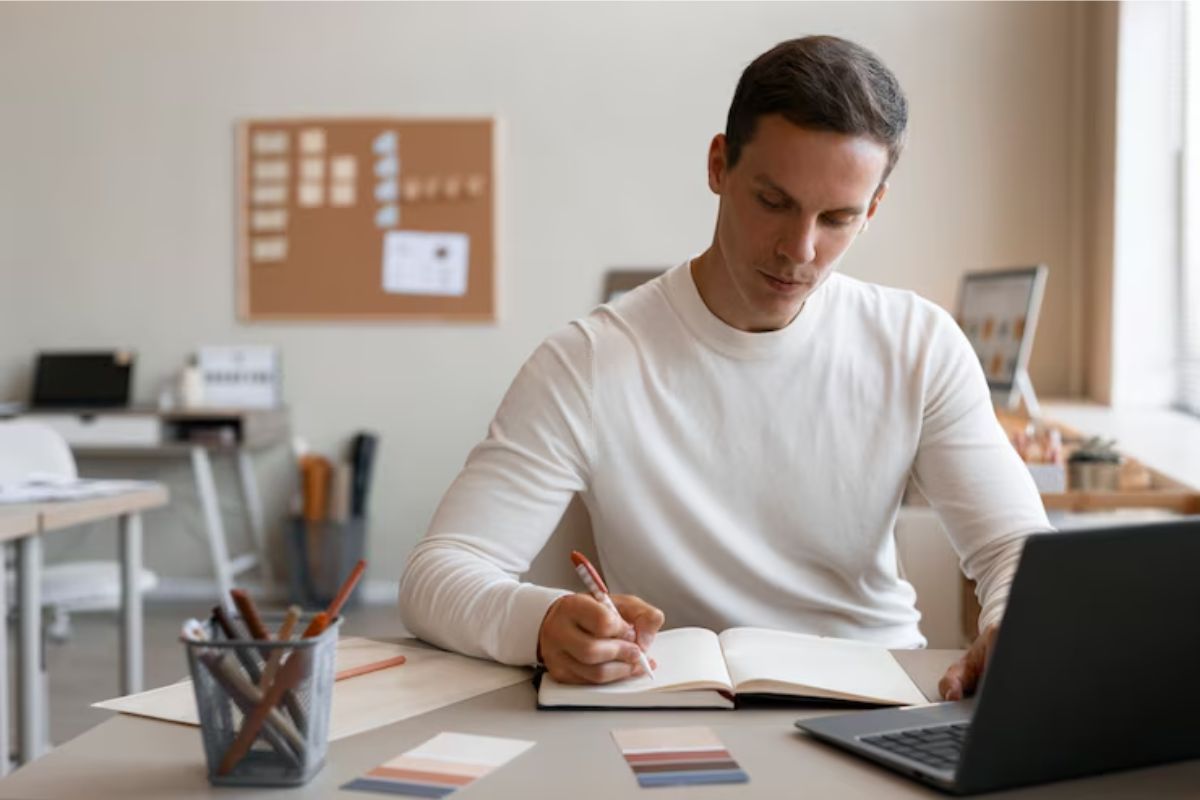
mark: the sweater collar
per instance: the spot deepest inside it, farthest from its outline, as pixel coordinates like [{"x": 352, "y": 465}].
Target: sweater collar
[{"x": 724, "y": 338}]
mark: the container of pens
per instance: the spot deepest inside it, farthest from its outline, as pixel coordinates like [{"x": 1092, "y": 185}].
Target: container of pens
[{"x": 263, "y": 704}]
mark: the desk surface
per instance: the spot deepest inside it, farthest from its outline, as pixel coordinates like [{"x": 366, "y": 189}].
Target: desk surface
[
  {"x": 17, "y": 521},
  {"x": 60, "y": 514},
  {"x": 575, "y": 756}
]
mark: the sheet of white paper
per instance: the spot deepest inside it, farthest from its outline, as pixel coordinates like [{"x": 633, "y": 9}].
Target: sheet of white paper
[
  {"x": 429, "y": 679},
  {"x": 419, "y": 262},
  {"x": 42, "y": 489}
]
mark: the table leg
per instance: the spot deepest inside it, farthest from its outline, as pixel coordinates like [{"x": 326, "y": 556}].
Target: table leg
[
  {"x": 130, "y": 546},
  {"x": 5, "y": 745},
  {"x": 207, "y": 490},
  {"x": 254, "y": 514},
  {"x": 31, "y": 714}
]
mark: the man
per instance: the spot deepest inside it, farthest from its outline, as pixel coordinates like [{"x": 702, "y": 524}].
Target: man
[{"x": 741, "y": 429}]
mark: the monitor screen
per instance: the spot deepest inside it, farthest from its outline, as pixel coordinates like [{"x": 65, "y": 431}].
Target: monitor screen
[
  {"x": 82, "y": 380},
  {"x": 998, "y": 312}
]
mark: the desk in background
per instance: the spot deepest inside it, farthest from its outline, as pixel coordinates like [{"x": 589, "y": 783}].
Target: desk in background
[
  {"x": 25, "y": 524},
  {"x": 196, "y": 435}
]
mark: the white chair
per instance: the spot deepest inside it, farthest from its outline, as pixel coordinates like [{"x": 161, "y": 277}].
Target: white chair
[{"x": 28, "y": 449}]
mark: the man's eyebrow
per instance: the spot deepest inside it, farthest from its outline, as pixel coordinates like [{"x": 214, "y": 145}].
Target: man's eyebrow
[{"x": 770, "y": 184}]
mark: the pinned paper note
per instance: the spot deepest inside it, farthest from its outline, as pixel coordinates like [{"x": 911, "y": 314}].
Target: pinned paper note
[
  {"x": 341, "y": 195},
  {"x": 268, "y": 248},
  {"x": 440, "y": 766},
  {"x": 312, "y": 141},
  {"x": 387, "y": 191},
  {"x": 269, "y": 194},
  {"x": 310, "y": 195},
  {"x": 271, "y": 169},
  {"x": 270, "y": 143},
  {"x": 343, "y": 168},
  {"x": 312, "y": 169},
  {"x": 387, "y": 167},
  {"x": 677, "y": 756},
  {"x": 273, "y": 220},
  {"x": 417, "y": 262},
  {"x": 384, "y": 144},
  {"x": 387, "y": 217}
]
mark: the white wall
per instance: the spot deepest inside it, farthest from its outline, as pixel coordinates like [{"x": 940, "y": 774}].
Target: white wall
[{"x": 116, "y": 147}]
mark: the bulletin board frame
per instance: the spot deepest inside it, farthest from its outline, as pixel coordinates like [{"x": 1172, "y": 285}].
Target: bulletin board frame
[{"x": 374, "y": 219}]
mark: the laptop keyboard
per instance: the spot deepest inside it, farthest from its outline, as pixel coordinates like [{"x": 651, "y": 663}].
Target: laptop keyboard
[{"x": 938, "y": 746}]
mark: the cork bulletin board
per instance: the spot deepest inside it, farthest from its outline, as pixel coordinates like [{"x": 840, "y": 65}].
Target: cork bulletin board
[{"x": 366, "y": 219}]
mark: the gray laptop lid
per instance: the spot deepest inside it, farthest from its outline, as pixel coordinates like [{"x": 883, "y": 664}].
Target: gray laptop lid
[{"x": 1097, "y": 665}]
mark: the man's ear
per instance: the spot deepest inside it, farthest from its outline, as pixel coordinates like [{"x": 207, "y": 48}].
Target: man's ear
[
  {"x": 716, "y": 163},
  {"x": 877, "y": 199}
]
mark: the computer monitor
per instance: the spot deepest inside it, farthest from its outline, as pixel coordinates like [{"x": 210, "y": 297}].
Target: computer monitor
[
  {"x": 998, "y": 311},
  {"x": 83, "y": 379}
]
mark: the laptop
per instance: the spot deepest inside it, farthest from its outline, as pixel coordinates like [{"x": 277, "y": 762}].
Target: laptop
[
  {"x": 1095, "y": 668},
  {"x": 82, "y": 380}
]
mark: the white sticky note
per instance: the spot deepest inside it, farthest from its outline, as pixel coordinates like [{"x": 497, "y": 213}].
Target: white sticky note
[
  {"x": 312, "y": 141},
  {"x": 272, "y": 220},
  {"x": 387, "y": 191},
  {"x": 270, "y": 143},
  {"x": 387, "y": 167},
  {"x": 343, "y": 168},
  {"x": 269, "y": 194},
  {"x": 271, "y": 169},
  {"x": 312, "y": 169},
  {"x": 384, "y": 144},
  {"x": 268, "y": 248},
  {"x": 341, "y": 194},
  {"x": 387, "y": 217},
  {"x": 419, "y": 262},
  {"x": 310, "y": 195}
]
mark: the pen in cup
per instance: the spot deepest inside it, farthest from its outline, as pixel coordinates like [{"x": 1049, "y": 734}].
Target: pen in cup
[{"x": 595, "y": 586}]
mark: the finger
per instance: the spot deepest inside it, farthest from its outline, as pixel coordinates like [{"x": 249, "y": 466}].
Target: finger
[
  {"x": 646, "y": 619},
  {"x": 588, "y": 649},
  {"x": 607, "y": 672},
  {"x": 594, "y": 618},
  {"x": 951, "y": 685}
]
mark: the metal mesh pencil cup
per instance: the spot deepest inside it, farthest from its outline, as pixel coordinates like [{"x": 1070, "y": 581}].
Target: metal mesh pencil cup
[{"x": 292, "y": 738}]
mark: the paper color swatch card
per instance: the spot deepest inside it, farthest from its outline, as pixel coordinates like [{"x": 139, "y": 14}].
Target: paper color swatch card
[
  {"x": 677, "y": 756},
  {"x": 447, "y": 762}
]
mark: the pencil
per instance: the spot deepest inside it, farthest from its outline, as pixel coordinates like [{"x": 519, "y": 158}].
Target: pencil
[{"x": 343, "y": 594}]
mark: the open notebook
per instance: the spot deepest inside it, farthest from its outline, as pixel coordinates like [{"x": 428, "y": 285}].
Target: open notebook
[{"x": 698, "y": 668}]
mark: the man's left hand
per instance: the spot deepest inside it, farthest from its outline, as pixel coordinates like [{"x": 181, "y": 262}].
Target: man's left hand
[{"x": 963, "y": 676}]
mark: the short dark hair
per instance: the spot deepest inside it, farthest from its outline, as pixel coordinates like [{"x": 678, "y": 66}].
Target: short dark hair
[{"x": 822, "y": 83}]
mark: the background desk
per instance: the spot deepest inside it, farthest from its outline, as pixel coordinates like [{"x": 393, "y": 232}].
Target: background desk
[
  {"x": 126, "y": 508},
  {"x": 248, "y": 430},
  {"x": 575, "y": 757}
]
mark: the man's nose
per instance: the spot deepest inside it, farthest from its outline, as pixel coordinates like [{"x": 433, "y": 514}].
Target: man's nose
[{"x": 799, "y": 242}]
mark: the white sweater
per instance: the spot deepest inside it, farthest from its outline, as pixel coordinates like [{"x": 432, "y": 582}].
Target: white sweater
[{"x": 732, "y": 478}]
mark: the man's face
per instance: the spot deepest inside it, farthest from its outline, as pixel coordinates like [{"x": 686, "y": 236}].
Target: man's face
[{"x": 789, "y": 209}]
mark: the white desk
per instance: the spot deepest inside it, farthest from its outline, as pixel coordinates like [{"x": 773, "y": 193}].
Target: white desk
[
  {"x": 251, "y": 430},
  {"x": 56, "y": 516}
]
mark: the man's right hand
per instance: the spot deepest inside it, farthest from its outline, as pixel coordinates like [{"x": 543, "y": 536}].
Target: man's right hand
[{"x": 581, "y": 641}]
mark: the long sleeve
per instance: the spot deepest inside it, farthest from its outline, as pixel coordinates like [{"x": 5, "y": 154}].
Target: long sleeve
[
  {"x": 971, "y": 475},
  {"x": 460, "y": 589}
]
